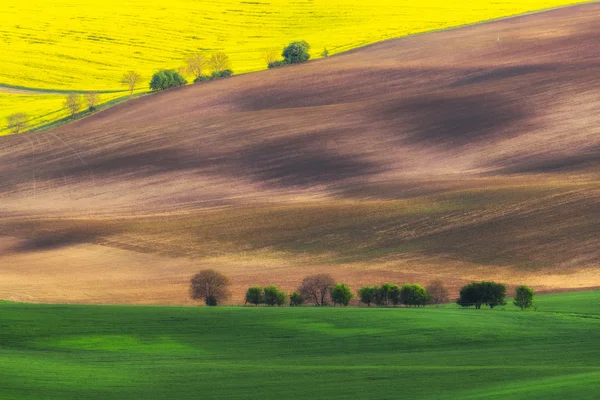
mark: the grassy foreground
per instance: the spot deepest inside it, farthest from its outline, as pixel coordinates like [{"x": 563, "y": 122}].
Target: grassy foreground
[{"x": 109, "y": 352}]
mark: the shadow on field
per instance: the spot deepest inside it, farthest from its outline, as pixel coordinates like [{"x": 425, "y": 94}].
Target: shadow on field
[
  {"x": 456, "y": 121},
  {"x": 302, "y": 161}
]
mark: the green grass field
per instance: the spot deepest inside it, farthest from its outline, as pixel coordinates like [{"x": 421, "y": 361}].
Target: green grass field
[{"x": 114, "y": 352}]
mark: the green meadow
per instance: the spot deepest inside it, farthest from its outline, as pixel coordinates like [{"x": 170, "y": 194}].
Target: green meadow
[{"x": 133, "y": 352}]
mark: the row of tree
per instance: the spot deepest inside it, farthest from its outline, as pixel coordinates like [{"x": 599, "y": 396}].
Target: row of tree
[
  {"x": 202, "y": 67},
  {"x": 74, "y": 103},
  {"x": 321, "y": 289}
]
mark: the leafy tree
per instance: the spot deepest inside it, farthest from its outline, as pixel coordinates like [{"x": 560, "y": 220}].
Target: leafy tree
[
  {"x": 523, "y": 297},
  {"x": 386, "y": 294},
  {"x": 254, "y": 295},
  {"x": 296, "y": 52},
  {"x": 273, "y": 296},
  {"x": 296, "y": 299},
  {"x": 17, "y": 123},
  {"x": 479, "y": 293},
  {"x": 166, "y": 79},
  {"x": 281, "y": 298},
  {"x": 341, "y": 294},
  {"x": 438, "y": 292},
  {"x": 211, "y": 286},
  {"x": 219, "y": 62},
  {"x": 73, "y": 104},
  {"x": 367, "y": 294},
  {"x": 325, "y": 53},
  {"x": 131, "y": 79},
  {"x": 413, "y": 295},
  {"x": 92, "y": 99},
  {"x": 196, "y": 64},
  {"x": 316, "y": 288}
]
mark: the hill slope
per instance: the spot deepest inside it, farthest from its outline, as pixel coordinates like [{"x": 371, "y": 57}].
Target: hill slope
[{"x": 464, "y": 154}]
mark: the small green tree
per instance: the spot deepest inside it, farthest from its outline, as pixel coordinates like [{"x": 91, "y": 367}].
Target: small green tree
[
  {"x": 296, "y": 52},
  {"x": 479, "y": 293},
  {"x": 413, "y": 295},
  {"x": 166, "y": 79},
  {"x": 273, "y": 296},
  {"x": 341, "y": 294},
  {"x": 387, "y": 294},
  {"x": 296, "y": 299},
  {"x": 281, "y": 298},
  {"x": 523, "y": 297},
  {"x": 254, "y": 295},
  {"x": 325, "y": 53},
  {"x": 366, "y": 294}
]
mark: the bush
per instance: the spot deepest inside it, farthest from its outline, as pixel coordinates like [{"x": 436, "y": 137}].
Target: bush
[
  {"x": 203, "y": 78},
  {"x": 276, "y": 64},
  {"x": 296, "y": 299},
  {"x": 341, "y": 294},
  {"x": 254, "y": 295},
  {"x": 479, "y": 293},
  {"x": 366, "y": 294},
  {"x": 166, "y": 79},
  {"x": 413, "y": 295},
  {"x": 273, "y": 296},
  {"x": 523, "y": 297},
  {"x": 296, "y": 52}
]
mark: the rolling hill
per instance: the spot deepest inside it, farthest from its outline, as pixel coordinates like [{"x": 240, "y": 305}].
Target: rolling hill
[
  {"x": 463, "y": 154},
  {"x": 65, "y": 45}
]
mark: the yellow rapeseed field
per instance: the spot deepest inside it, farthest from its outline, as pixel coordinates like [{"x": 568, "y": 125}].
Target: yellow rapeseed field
[{"x": 88, "y": 44}]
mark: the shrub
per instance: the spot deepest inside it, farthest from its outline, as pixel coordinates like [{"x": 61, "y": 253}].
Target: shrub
[
  {"x": 211, "y": 286},
  {"x": 523, "y": 297},
  {"x": 221, "y": 74},
  {"x": 166, "y": 79},
  {"x": 296, "y": 52},
  {"x": 254, "y": 295},
  {"x": 413, "y": 295},
  {"x": 341, "y": 294},
  {"x": 479, "y": 293},
  {"x": 276, "y": 64},
  {"x": 325, "y": 53},
  {"x": 203, "y": 78},
  {"x": 273, "y": 296},
  {"x": 296, "y": 299},
  {"x": 366, "y": 294}
]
